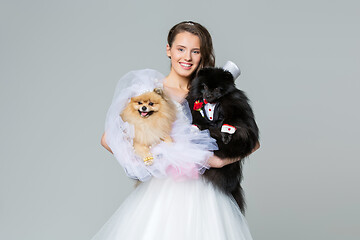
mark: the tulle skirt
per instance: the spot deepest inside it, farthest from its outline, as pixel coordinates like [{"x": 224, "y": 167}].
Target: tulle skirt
[{"x": 172, "y": 209}]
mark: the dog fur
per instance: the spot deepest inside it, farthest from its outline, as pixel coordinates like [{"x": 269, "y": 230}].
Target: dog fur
[
  {"x": 232, "y": 107},
  {"x": 152, "y": 114}
]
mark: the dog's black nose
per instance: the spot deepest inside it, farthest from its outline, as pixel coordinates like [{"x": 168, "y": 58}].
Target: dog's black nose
[{"x": 143, "y": 108}]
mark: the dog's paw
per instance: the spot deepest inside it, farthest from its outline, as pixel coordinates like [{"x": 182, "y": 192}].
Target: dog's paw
[{"x": 168, "y": 139}]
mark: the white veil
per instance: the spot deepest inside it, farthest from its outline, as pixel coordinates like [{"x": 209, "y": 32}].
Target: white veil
[{"x": 186, "y": 156}]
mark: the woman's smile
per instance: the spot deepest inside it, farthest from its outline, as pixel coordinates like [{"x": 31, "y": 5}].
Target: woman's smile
[{"x": 186, "y": 66}]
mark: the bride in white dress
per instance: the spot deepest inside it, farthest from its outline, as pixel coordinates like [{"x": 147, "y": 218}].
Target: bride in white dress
[{"x": 177, "y": 204}]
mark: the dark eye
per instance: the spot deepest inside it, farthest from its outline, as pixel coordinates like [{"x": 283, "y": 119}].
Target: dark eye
[
  {"x": 151, "y": 103},
  {"x": 139, "y": 103}
]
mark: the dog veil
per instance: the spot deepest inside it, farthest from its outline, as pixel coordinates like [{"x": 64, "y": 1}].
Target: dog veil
[{"x": 186, "y": 156}]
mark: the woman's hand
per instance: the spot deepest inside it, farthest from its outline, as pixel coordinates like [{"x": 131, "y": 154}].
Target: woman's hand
[
  {"x": 104, "y": 144},
  {"x": 216, "y": 162}
]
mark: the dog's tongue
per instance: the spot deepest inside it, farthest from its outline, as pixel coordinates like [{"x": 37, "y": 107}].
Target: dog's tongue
[{"x": 144, "y": 113}]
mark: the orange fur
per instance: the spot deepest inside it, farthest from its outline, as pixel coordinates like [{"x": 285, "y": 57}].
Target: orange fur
[{"x": 152, "y": 129}]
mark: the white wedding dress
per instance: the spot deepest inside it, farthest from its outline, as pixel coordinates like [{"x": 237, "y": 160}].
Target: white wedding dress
[{"x": 168, "y": 205}]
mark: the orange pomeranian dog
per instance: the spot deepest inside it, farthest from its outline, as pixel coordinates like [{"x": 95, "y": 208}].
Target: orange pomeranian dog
[{"x": 152, "y": 115}]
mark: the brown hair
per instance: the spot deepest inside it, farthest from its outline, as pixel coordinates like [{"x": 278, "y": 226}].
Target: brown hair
[{"x": 206, "y": 46}]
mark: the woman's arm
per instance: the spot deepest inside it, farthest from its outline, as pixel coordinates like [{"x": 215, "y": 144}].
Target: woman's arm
[
  {"x": 217, "y": 162},
  {"x": 103, "y": 143}
]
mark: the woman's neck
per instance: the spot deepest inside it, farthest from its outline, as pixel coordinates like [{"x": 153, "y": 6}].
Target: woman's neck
[
  {"x": 173, "y": 80},
  {"x": 176, "y": 86}
]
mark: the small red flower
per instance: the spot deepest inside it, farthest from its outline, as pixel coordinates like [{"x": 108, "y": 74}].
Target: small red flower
[
  {"x": 206, "y": 102},
  {"x": 198, "y": 105}
]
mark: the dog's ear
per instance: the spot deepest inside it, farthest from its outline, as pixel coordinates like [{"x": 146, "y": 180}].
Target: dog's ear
[{"x": 159, "y": 91}]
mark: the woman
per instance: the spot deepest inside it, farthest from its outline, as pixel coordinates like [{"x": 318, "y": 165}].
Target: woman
[{"x": 191, "y": 208}]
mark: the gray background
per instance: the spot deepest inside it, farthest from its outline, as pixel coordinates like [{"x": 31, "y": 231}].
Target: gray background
[{"x": 60, "y": 62}]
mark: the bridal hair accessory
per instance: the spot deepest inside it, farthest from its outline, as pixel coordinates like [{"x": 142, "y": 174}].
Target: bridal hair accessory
[{"x": 233, "y": 69}]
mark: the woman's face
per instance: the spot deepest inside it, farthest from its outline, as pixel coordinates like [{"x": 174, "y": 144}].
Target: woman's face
[{"x": 184, "y": 53}]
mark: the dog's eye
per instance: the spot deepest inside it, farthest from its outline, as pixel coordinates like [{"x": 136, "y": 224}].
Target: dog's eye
[
  {"x": 151, "y": 103},
  {"x": 139, "y": 103}
]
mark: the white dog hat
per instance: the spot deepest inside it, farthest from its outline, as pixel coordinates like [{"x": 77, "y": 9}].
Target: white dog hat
[{"x": 233, "y": 69}]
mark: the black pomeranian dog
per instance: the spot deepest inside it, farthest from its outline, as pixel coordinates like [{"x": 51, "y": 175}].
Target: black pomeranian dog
[{"x": 216, "y": 104}]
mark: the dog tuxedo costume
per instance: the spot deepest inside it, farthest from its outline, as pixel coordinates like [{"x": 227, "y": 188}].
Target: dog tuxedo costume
[{"x": 225, "y": 111}]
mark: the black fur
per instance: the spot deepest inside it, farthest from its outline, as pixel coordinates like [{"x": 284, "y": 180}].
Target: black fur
[{"x": 217, "y": 86}]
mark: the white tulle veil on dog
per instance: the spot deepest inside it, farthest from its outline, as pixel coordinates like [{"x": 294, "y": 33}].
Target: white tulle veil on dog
[{"x": 185, "y": 157}]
